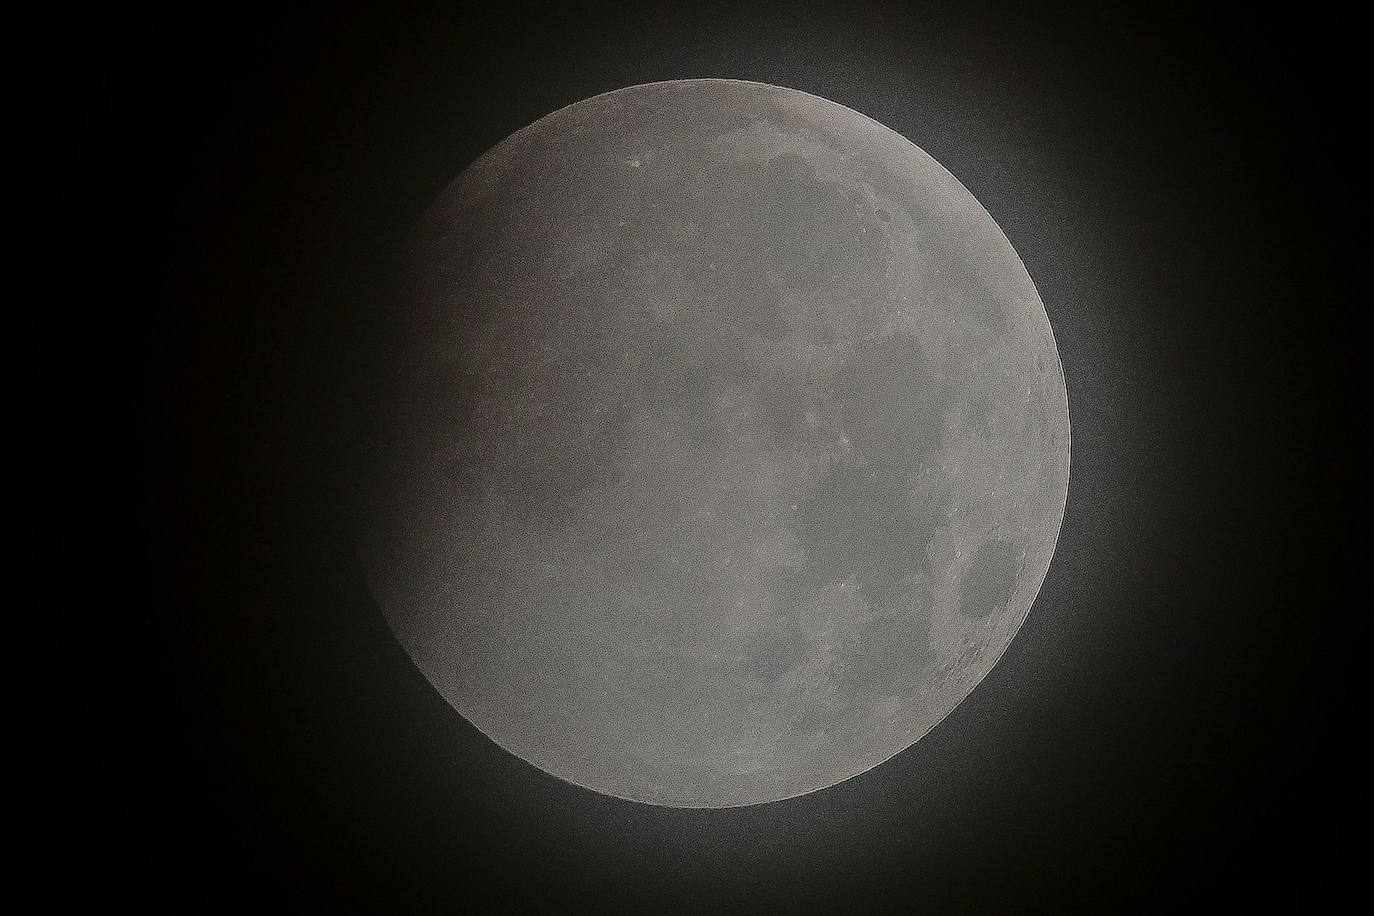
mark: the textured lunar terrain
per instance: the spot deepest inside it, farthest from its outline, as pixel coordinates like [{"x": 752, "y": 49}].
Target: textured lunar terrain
[{"x": 728, "y": 444}]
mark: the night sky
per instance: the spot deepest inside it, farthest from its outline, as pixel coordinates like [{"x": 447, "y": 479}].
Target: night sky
[{"x": 226, "y": 193}]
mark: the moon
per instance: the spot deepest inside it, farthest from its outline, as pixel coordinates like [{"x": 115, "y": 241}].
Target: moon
[{"x": 727, "y": 444}]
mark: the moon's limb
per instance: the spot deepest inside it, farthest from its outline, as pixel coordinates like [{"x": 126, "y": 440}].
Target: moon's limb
[{"x": 730, "y": 444}]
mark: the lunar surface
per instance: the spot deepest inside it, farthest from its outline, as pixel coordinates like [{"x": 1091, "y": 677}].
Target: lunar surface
[{"x": 727, "y": 449}]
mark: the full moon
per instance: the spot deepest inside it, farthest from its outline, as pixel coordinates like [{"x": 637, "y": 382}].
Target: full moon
[{"x": 727, "y": 444}]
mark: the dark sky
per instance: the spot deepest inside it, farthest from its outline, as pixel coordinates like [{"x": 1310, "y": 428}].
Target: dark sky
[{"x": 226, "y": 190}]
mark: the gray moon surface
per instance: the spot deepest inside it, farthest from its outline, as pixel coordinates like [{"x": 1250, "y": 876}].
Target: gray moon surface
[{"x": 728, "y": 444}]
